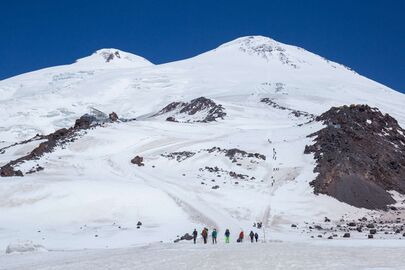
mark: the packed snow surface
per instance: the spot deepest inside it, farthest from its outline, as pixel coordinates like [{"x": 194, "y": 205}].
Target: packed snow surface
[{"x": 273, "y": 255}]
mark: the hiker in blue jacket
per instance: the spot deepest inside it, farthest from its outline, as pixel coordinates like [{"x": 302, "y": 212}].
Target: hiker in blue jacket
[{"x": 214, "y": 236}]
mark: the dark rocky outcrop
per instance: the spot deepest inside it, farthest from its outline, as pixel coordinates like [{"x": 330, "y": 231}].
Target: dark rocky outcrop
[
  {"x": 212, "y": 111},
  {"x": 35, "y": 169},
  {"x": 109, "y": 56},
  {"x": 179, "y": 156},
  {"x": 35, "y": 138},
  {"x": 296, "y": 113},
  {"x": 232, "y": 174},
  {"x": 360, "y": 156},
  {"x": 8, "y": 170},
  {"x": 171, "y": 107},
  {"x": 58, "y": 138},
  {"x": 235, "y": 154},
  {"x": 85, "y": 121}
]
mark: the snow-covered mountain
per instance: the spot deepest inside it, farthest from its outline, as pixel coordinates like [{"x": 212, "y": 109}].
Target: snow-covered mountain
[{"x": 220, "y": 140}]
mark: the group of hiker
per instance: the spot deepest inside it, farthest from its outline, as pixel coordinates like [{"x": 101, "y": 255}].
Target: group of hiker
[{"x": 254, "y": 236}]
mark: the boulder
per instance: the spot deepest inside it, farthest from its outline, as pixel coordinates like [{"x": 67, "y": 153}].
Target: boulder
[
  {"x": 187, "y": 237},
  {"x": 346, "y": 235},
  {"x": 85, "y": 121},
  {"x": 8, "y": 170},
  {"x": 138, "y": 160},
  {"x": 171, "y": 119},
  {"x": 113, "y": 117}
]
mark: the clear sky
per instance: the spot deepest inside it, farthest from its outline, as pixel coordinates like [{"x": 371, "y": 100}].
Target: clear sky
[{"x": 368, "y": 36}]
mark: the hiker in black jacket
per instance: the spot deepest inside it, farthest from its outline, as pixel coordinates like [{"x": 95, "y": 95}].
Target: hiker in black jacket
[
  {"x": 251, "y": 235},
  {"x": 195, "y": 233}
]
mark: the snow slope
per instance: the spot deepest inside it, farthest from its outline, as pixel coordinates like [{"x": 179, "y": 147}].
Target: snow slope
[{"x": 90, "y": 195}]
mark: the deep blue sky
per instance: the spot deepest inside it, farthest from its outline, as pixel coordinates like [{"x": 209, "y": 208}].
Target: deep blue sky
[{"x": 368, "y": 36}]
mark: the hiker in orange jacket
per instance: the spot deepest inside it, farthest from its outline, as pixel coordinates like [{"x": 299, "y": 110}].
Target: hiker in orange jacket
[{"x": 204, "y": 235}]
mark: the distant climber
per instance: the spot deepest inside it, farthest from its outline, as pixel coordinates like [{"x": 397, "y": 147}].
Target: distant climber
[
  {"x": 195, "y": 233},
  {"x": 251, "y": 235},
  {"x": 204, "y": 235},
  {"x": 227, "y": 234},
  {"x": 256, "y": 236},
  {"x": 241, "y": 236},
  {"x": 214, "y": 236}
]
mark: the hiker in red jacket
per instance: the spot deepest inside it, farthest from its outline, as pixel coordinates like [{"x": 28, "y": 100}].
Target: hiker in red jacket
[
  {"x": 241, "y": 236},
  {"x": 204, "y": 235}
]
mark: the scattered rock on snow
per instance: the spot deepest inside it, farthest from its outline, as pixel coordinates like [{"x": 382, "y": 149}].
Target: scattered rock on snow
[
  {"x": 293, "y": 112},
  {"x": 179, "y": 156}
]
